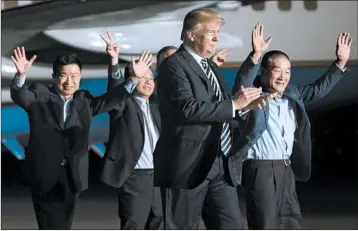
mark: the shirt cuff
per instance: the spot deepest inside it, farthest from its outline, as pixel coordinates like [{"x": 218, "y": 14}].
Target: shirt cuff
[
  {"x": 239, "y": 112},
  {"x": 251, "y": 57},
  {"x": 130, "y": 86},
  {"x": 342, "y": 69},
  {"x": 18, "y": 81},
  {"x": 233, "y": 110}
]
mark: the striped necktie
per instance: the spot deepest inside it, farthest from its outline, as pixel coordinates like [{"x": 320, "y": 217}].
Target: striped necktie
[{"x": 225, "y": 133}]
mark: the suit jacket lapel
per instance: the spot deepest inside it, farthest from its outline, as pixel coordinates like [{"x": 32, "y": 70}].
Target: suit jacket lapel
[
  {"x": 266, "y": 111},
  {"x": 57, "y": 106},
  {"x": 290, "y": 94},
  {"x": 195, "y": 66}
]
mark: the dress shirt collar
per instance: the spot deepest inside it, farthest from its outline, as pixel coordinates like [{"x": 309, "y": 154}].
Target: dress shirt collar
[
  {"x": 278, "y": 97},
  {"x": 62, "y": 97},
  {"x": 197, "y": 57},
  {"x": 141, "y": 101}
]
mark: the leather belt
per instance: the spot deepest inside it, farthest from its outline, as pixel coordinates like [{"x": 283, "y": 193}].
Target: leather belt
[
  {"x": 147, "y": 170},
  {"x": 285, "y": 162}
]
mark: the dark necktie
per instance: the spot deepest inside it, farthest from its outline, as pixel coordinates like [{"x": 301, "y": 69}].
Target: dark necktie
[{"x": 225, "y": 133}]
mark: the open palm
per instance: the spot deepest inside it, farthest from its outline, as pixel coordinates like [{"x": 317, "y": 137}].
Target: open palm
[
  {"x": 21, "y": 63},
  {"x": 141, "y": 66},
  {"x": 259, "y": 44},
  {"x": 344, "y": 43}
]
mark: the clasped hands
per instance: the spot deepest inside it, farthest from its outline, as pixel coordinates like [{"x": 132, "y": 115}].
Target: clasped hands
[{"x": 251, "y": 98}]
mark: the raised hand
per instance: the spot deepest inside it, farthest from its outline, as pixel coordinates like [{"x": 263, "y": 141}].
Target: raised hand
[
  {"x": 21, "y": 63},
  {"x": 259, "y": 44},
  {"x": 343, "y": 48},
  {"x": 142, "y": 65},
  {"x": 220, "y": 57},
  {"x": 112, "y": 47},
  {"x": 245, "y": 96}
]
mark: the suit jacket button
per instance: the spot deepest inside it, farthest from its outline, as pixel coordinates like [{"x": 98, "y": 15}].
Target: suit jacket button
[{"x": 261, "y": 131}]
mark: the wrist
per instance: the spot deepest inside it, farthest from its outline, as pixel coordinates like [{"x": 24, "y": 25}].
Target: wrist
[
  {"x": 236, "y": 105},
  {"x": 341, "y": 63},
  {"x": 256, "y": 56},
  {"x": 114, "y": 61},
  {"x": 21, "y": 75}
]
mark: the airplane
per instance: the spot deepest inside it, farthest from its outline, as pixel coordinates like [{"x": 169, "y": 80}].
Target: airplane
[{"x": 52, "y": 27}]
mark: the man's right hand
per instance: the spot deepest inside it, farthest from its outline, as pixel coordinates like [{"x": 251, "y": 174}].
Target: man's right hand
[
  {"x": 259, "y": 44},
  {"x": 21, "y": 63},
  {"x": 245, "y": 96}
]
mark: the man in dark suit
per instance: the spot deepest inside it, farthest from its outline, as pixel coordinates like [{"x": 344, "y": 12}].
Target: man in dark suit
[
  {"x": 192, "y": 161},
  {"x": 275, "y": 147},
  {"x": 135, "y": 128},
  {"x": 56, "y": 161}
]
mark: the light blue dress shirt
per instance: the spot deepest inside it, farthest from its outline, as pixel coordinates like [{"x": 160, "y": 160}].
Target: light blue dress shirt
[
  {"x": 151, "y": 136},
  {"x": 276, "y": 142}
]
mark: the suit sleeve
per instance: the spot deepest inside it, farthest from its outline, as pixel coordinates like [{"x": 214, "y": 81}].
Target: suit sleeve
[
  {"x": 115, "y": 76},
  {"x": 322, "y": 86},
  {"x": 22, "y": 95},
  {"x": 246, "y": 74},
  {"x": 245, "y": 77},
  {"x": 175, "y": 88},
  {"x": 113, "y": 98}
]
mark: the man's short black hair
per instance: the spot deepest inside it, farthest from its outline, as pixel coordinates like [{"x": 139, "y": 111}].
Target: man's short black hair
[
  {"x": 163, "y": 50},
  {"x": 65, "y": 59},
  {"x": 269, "y": 56}
]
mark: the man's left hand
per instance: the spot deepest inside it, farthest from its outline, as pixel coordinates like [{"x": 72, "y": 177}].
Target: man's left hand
[{"x": 112, "y": 48}]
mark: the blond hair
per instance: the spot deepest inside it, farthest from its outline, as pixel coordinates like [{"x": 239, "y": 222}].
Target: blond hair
[{"x": 197, "y": 17}]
